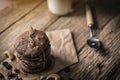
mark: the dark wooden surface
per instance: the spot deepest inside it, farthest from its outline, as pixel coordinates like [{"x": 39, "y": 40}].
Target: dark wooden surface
[{"x": 34, "y": 12}]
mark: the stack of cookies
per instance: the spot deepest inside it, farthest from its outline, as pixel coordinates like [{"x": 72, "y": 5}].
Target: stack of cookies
[{"x": 33, "y": 51}]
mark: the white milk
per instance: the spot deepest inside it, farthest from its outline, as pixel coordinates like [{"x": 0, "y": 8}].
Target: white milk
[{"x": 60, "y": 7}]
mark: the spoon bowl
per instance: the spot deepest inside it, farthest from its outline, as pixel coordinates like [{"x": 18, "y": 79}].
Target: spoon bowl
[{"x": 94, "y": 43}]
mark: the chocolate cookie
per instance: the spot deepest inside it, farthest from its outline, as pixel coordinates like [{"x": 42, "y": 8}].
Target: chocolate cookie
[
  {"x": 35, "y": 62},
  {"x": 22, "y": 43},
  {"x": 33, "y": 50}
]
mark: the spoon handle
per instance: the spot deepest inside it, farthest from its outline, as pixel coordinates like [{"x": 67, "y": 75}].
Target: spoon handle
[{"x": 89, "y": 16}]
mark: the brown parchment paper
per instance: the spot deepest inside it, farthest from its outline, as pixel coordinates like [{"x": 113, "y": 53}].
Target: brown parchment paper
[{"x": 62, "y": 50}]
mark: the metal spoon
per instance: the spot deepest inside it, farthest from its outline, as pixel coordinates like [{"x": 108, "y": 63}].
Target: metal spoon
[{"x": 92, "y": 42}]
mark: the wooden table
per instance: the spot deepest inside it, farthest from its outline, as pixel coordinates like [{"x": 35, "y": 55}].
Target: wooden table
[{"x": 93, "y": 65}]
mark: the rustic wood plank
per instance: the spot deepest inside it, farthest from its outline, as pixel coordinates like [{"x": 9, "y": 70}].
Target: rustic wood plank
[
  {"x": 4, "y": 3},
  {"x": 38, "y": 18},
  {"x": 109, "y": 58},
  {"x": 111, "y": 39},
  {"x": 118, "y": 74},
  {"x": 15, "y": 11}
]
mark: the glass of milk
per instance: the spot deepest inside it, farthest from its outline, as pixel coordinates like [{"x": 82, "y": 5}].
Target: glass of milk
[{"x": 60, "y": 7}]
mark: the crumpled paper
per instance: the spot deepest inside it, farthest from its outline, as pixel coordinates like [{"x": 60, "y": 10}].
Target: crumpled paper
[{"x": 62, "y": 51}]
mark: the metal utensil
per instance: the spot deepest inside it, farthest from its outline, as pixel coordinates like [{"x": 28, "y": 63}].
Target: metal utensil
[{"x": 92, "y": 42}]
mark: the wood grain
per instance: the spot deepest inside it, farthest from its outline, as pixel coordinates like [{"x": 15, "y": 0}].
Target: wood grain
[
  {"x": 108, "y": 57},
  {"x": 15, "y": 11},
  {"x": 111, "y": 39}
]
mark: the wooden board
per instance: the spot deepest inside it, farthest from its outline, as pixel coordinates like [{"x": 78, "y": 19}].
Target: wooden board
[
  {"x": 76, "y": 22},
  {"x": 4, "y": 3},
  {"x": 108, "y": 57},
  {"x": 16, "y": 10}
]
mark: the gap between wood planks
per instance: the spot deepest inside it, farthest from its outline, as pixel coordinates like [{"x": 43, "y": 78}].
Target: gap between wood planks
[{"x": 10, "y": 25}]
